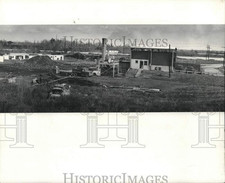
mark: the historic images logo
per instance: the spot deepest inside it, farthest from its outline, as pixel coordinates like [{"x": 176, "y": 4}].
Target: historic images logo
[
  {"x": 204, "y": 140},
  {"x": 112, "y": 127},
  {"x": 120, "y": 178},
  {"x": 119, "y": 42},
  {"x": 20, "y": 129}
]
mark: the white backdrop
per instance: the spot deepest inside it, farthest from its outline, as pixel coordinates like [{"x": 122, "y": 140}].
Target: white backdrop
[{"x": 167, "y": 137}]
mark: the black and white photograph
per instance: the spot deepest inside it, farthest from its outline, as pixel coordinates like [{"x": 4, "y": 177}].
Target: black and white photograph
[
  {"x": 110, "y": 91},
  {"x": 111, "y": 68}
]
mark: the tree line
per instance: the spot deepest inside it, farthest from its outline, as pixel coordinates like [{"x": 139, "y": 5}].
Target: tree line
[{"x": 56, "y": 45}]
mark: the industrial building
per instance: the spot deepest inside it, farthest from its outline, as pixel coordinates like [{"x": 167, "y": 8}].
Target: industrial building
[
  {"x": 107, "y": 64},
  {"x": 161, "y": 59}
]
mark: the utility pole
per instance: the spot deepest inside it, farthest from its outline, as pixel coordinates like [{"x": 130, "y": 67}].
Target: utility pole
[
  {"x": 223, "y": 54},
  {"x": 34, "y": 47},
  {"x": 208, "y": 52},
  {"x": 124, "y": 37},
  {"x": 223, "y": 57},
  {"x": 169, "y": 64}
]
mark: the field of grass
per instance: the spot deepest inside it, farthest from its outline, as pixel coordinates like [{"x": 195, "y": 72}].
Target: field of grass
[
  {"x": 221, "y": 69},
  {"x": 198, "y": 61},
  {"x": 179, "y": 93}
]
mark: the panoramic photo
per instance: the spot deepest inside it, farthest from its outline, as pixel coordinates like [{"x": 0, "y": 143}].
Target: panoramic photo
[{"x": 112, "y": 68}]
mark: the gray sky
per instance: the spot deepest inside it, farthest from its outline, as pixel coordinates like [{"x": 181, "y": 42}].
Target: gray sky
[{"x": 180, "y": 36}]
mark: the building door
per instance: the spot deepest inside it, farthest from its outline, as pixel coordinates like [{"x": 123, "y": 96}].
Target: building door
[{"x": 141, "y": 64}]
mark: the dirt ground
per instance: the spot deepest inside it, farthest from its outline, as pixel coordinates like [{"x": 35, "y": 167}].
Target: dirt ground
[{"x": 179, "y": 93}]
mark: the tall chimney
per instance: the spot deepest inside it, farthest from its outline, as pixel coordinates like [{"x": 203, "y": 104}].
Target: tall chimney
[{"x": 104, "y": 41}]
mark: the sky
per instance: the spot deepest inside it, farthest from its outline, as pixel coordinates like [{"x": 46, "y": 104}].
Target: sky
[{"x": 179, "y": 36}]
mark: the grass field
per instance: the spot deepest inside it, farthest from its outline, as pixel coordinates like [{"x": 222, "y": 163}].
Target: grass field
[{"x": 181, "y": 93}]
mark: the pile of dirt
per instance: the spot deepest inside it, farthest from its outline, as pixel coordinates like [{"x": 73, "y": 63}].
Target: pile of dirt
[{"x": 40, "y": 62}]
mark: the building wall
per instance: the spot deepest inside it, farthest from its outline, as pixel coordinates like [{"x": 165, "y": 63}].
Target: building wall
[
  {"x": 56, "y": 57},
  {"x": 124, "y": 66},
  {"x": 162, "y": 58},
  {"x": 23, "y": 56},
  {"x": 160, "y": 68},
  {"x": 157, "y": 59},
  {"x": 6, "y": 57},
  {"x": 113, "y": 52},
  {"x": 19, "y": 56},
  {"x": 141, "y": 54},
  {"x": 1, "y": 58},
  {"x": 136, "y": 64}
]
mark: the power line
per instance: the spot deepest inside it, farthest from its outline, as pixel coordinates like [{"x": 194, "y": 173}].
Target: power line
[{"x": 71, "y": 43}]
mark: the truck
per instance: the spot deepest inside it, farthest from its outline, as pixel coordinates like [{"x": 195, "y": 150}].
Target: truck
[
  {"x": 95, "y": 71},
  {"x": 60, "y": 90},
  {"x": 83, "y": 72}
]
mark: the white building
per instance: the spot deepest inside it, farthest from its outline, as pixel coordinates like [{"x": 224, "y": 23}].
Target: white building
[
  {"x": 113, "y": 52},
  {"x": 153, "y": 59},
  {"x": 56, "y": 57},
  {"x": 6, "y": 57},
  {"x": 23, "y": 56},
  {"x": 1, "y": 58},
  {"x": 18, "y": 56},
  {"x": 31, "y": 55}
]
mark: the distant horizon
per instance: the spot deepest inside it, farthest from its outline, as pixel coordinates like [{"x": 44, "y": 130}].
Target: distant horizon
[{"x": 183, "y": 37}]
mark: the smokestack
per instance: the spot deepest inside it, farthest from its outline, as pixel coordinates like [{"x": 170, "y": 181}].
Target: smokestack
[{"x": 104, "y": 41}]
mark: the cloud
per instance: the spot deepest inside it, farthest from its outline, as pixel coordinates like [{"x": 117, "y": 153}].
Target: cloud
[{"x": 181, "y": 36}]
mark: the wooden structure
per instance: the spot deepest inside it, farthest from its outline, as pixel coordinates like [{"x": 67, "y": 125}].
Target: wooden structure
[{"x": 110, "y": 66}]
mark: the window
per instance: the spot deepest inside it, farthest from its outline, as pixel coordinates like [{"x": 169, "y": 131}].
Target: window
[
  {"x": 136, "y": 61},
  {"x": 158, "y": 68},
  {"x": 146, "y": 63}
]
